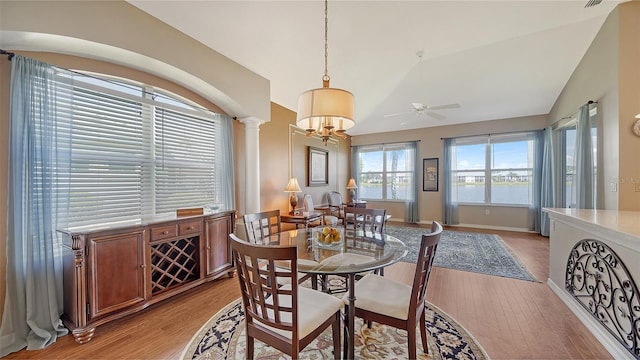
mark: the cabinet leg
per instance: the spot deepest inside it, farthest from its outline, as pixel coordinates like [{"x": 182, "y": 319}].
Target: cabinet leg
[{"x": 83, "y": 336}]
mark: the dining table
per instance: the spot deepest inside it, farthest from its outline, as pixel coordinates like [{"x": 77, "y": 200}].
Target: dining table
[{"x": 354, "y": 251}]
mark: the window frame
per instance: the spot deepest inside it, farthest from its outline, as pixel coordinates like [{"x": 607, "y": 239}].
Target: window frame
[
  {"x": 488, "y": 170},
  {"x": 385, "y": 174},
  {"x": 150, "y": 99}
]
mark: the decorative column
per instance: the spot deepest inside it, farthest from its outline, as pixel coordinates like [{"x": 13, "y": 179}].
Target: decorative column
[{"x": 252, "y": 163}]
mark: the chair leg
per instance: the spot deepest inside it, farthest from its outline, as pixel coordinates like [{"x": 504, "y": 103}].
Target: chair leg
[
  {"x": 250, "y": 348},
  {"x": 423, "y": 330},
  {"x": 335, "y": 327},
  {"x": 345, "y": 338},
  {"x": 411, "y": 339}
]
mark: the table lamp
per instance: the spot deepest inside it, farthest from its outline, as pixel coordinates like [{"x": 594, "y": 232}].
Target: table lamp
[
  {"x": 292, "y": 188},
  {"x": 351, "y": 186}
]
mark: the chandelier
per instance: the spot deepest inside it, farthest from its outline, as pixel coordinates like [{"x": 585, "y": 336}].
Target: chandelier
[{"x": 326, "y": 111}]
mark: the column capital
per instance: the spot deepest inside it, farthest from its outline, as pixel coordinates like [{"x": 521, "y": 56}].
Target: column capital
[{"x": 252, "y": 120}]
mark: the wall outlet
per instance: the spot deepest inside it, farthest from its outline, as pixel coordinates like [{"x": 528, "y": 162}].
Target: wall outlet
[
  {"x": 486, "y": 212},
  {"x": 637, "y": 187},
  {"x": 614, "y": 186}
]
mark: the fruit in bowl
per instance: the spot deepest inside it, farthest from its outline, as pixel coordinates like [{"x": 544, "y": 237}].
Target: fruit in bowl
[{"x": 329, "y": 235}]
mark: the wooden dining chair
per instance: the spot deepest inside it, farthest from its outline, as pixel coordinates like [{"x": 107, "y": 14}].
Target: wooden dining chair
[
  {"x": 395, "y": 304},
  {"x": 262, "y": 224},
  {"x": 336, "y": 206},
  {"x": 365, "y": 219},
  {"x": 288, "y": 317},
  {"x": 329, "y": 220}
]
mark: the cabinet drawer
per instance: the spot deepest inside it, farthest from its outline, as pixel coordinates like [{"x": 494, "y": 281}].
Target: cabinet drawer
[
  {"x": 190, "y": 227},
  {"x": 163, "y": 232}
]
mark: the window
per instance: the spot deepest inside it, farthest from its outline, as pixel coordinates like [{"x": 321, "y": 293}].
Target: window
[
  {"x": 137, "y": 152},
  {"x": 386, "y": 172},
  {"x": 495, "y": 169},
  {"x": 566, "y": 137}
]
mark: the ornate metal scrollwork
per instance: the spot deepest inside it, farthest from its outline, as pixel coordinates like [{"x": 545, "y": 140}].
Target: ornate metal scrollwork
[{"x": 601, "y": 283}]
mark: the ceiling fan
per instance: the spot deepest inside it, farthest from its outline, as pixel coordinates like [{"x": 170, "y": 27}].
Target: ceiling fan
[{"x": 420, "y": 108}]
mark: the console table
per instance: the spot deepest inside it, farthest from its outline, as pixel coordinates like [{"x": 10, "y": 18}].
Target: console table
[
  {"x": 357, "y": 203},
  {"x": 111, "y": 272},
  {"x": 303, "y": 219}
]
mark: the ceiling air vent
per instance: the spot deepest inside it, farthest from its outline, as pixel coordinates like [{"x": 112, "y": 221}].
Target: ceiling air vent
[{"x": 591, "y": 3}]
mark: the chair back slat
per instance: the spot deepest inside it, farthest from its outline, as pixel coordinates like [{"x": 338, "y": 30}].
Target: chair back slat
[
  {"x": 428, "y": 247},
  {"x": 262, "y": 224},
  {"x": 365, "y": 219},
  {"x": 264, "y": 301}
]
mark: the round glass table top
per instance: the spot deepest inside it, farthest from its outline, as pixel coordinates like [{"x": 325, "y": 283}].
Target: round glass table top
[{"x": 351, "y": 251}]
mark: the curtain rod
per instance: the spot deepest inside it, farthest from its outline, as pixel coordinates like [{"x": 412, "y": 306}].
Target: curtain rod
[
  {"x": 489, "y": 134},
  {"x": 390, "y": 143},
  {"x": 576, "y": 111},
  {"x": 10, "y": 55}
]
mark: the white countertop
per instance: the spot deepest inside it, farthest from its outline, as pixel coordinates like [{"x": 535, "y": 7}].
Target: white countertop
[{"x": 626, "y": 223}]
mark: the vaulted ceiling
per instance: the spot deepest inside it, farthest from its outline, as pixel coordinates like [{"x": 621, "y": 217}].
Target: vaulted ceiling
[{"x": 496, "y": 59}]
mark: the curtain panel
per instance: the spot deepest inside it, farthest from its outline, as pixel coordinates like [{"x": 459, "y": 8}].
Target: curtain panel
[
  {"x": 39, "y": 154},
  {"x": 584, "y": 188},
  {"x": 547, "y": 186},
  {"x": 450, "y": 204}
]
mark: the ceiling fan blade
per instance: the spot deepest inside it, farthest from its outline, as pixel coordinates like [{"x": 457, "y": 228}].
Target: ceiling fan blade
[
  {"x": 418, "y": 106},
  {"x": 443, "y": 107},
  {"x": 435, "y": 115},
  {"x": 399, "y": 113}
]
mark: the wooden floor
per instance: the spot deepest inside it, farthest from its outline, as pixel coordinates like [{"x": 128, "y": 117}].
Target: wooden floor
[{"x": 511, "y": 319}]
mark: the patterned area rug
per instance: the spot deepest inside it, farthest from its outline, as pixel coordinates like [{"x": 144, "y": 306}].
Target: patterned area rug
[
  {"x": 223, "y": 337},
  {"x": 475, "y": 252}
]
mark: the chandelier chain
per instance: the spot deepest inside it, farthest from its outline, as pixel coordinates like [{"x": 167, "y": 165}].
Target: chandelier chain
[{"x": 326, "y": 42}]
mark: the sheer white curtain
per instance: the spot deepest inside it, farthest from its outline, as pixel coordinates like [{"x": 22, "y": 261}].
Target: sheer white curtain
[
  {"x": 39, "y": 160},
  {"x": 224, "y": 162}
]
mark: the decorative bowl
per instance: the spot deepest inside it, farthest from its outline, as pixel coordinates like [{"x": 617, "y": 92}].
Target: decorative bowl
[{"x": 328, "y": 237}]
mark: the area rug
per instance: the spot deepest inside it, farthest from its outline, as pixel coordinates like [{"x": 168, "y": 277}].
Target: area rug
[
  {"x": 475, "y": 252},
  {"x": 223, "y": 337}
]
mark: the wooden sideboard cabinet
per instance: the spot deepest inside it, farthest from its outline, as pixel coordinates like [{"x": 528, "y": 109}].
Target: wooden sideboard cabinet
[{"x": 112, "y": 272}]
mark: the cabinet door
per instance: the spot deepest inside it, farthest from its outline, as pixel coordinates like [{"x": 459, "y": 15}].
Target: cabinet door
[
  {"x": 218, "y": 252},
  {"x": 117, "y": 274}
]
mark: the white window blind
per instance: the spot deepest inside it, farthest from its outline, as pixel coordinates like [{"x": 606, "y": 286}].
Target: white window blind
[
  {"x": 185, "y": 161},
  {"x": 134, "y": 157},
  {"x": 108, "y": 157}
]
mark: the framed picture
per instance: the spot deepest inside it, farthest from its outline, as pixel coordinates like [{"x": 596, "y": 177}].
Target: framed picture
[
  {"x": 430, "y": 174},
  {"x": 318, "y": 167}
]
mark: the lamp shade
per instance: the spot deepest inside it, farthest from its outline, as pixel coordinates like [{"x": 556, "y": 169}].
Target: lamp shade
[
  {"x": 327, "y": 106},
  {"x": 352, "y": 184},
  {"x": 292, "y": 186}
]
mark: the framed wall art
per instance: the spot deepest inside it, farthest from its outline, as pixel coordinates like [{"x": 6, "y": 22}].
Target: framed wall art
[
  {"x": 430, "y": 174},
  {"x": 317, "y": 167}
]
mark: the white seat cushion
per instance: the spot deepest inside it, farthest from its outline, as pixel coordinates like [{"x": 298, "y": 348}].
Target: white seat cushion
[
  {"x": 383, "y": 296},
  {"x": 314, "y": 308},
  {"x": 346, "y": 260}
]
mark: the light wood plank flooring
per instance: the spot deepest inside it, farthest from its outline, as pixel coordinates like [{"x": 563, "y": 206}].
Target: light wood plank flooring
[{"x": 511, "y": 319}]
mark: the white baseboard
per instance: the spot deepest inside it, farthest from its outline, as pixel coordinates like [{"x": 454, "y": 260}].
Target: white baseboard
[
  {"x": 491, "y": 227},
  {"x": 473, "y": 226},
  {"x": 609, "y": 342}
]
